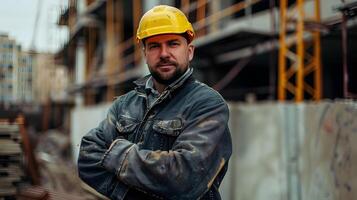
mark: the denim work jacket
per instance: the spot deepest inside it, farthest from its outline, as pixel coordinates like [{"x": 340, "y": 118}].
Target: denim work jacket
[{"x": 176, "y": 149}]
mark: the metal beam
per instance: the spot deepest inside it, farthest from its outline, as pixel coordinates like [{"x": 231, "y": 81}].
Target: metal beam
[{"x": 295, "y": 58}]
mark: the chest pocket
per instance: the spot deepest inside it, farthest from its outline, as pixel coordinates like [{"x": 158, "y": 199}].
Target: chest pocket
[
  {"x": 126, "y": 126},
  {"x": 168, "y": 127},
  {"x": 167, "y": 132}
]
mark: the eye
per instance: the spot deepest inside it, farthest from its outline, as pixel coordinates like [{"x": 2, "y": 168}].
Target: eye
[
  {"x": 153, "y": 46},
  {"x": 174, "y": 43}
]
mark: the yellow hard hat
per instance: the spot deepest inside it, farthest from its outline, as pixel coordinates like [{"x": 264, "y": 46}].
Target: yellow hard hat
[{"x": 164, "y": 19}]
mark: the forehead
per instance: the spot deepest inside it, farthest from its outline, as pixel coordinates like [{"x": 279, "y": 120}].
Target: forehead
[{"x": 164, "y": 38}]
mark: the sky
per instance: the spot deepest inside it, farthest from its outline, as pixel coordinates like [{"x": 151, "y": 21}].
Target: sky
[{"x": 17, "y": 19}]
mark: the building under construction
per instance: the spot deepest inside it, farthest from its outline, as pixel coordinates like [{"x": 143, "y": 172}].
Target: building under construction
[
  {"x": 261, "y": 49},
  {"x": 270, "y": 52},
  {"x": 286, "y": 68}
]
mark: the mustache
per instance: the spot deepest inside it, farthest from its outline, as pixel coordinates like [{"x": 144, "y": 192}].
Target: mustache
[{"x": 166, "y": 62}]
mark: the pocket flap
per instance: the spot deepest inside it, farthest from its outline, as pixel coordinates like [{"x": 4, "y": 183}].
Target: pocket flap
[
  {"x": 168, "y": 127},
  {"x": 126, "y": 124}
]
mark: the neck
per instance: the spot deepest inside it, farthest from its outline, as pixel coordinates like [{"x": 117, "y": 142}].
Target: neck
[{"x": 158, "y": 86}]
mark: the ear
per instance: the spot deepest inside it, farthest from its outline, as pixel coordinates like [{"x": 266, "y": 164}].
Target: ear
[
  {"x": 191, "y": 51},
  {"x": 143, "y": 49},
  {"x": 142, "y": 45}
]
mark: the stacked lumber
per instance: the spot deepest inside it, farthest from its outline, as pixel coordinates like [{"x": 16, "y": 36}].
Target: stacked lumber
[{"x": 11, "y": 158}]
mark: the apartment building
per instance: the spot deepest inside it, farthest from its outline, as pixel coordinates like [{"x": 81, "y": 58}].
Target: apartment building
[
  {"x": 29, "y": 77},
  {"x": 16, "y": 72},
  {"x": 25, "y": 77}
]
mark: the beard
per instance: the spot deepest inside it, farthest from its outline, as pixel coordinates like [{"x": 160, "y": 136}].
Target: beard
[{"x": 167, "y": 80}]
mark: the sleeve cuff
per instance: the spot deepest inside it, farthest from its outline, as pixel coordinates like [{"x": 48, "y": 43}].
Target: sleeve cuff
[{"x": 115, "y": 155}]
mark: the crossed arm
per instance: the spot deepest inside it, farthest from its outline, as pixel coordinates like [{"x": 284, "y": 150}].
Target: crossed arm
[{"x": 112, "y": 165}]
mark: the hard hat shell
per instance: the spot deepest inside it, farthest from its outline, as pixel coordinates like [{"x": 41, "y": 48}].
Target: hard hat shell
[{"x": 164, "y": 19}]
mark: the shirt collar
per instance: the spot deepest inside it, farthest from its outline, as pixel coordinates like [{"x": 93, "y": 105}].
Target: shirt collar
[{"x": 149, "y": 85}]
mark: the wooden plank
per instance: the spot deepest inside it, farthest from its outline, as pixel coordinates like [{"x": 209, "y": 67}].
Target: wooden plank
[
  {"x": 9, "y": 147},
  {"x": 6, "y": 160},
  {"x": 9, "y": 191},
  {"x": 12, "y": 170},
  {"x": 28, "y": 152},
  {"x": 9, "y": 182},
  {"x": 9, "y": 131},
  {"x": 6, "y": 127}
]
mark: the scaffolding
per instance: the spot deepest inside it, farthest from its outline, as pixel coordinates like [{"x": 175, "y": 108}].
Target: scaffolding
[
  {"x": 113, "y": 56},
  {"x": 297, "y": 62},
  {"x": 349, "y": 11},
  {"x": 121, "y": 50}
]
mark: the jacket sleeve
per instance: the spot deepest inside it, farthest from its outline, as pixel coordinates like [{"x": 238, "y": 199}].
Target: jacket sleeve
[
  {"x": 92, "y": 149},
  {"x": 189, "y": 169}
]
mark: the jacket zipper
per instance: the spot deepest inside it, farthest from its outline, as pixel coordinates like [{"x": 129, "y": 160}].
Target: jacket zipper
[
  {"x": 143, "y": 122},
  {"x": 161, "y": 98}
]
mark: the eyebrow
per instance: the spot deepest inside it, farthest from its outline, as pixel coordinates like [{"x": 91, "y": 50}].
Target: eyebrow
[{"x": 167, "y": 41}]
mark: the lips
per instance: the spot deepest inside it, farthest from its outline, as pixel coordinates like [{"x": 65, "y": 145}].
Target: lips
[{"x": 166, "y": 66}]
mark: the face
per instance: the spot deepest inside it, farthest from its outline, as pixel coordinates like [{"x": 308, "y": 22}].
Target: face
[{"x": 167, "y": 57}]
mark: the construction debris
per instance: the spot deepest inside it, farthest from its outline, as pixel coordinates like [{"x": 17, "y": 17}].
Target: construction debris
[
  {"x": 40, "y": 193},
  {"x": 59, "y": 176}
]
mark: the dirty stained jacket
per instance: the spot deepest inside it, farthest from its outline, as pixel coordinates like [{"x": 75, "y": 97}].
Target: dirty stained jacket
[{"x": 178, "y": 148}]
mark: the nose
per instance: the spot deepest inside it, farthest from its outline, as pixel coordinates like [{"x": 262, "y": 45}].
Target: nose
[{"x": 164, "y": 52}]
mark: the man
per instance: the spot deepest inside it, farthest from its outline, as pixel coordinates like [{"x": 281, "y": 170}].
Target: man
[{"x": 168, "y": 138}]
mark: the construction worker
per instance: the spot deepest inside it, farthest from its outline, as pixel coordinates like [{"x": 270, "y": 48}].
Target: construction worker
[{"x": 168, "y": 138}]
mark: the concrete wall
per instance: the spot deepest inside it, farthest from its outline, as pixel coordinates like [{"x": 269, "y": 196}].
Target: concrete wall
[
  {"x": 281, "y": 151},
  {"x": 327, "y": 152},
  {"x": 83, "y": 119},
  {"x": 293, "y": 152},
  {"x": 257, "y": 169}
]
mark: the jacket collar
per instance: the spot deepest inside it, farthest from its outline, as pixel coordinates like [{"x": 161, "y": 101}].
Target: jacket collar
[{"x": 140, "y": 83}]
